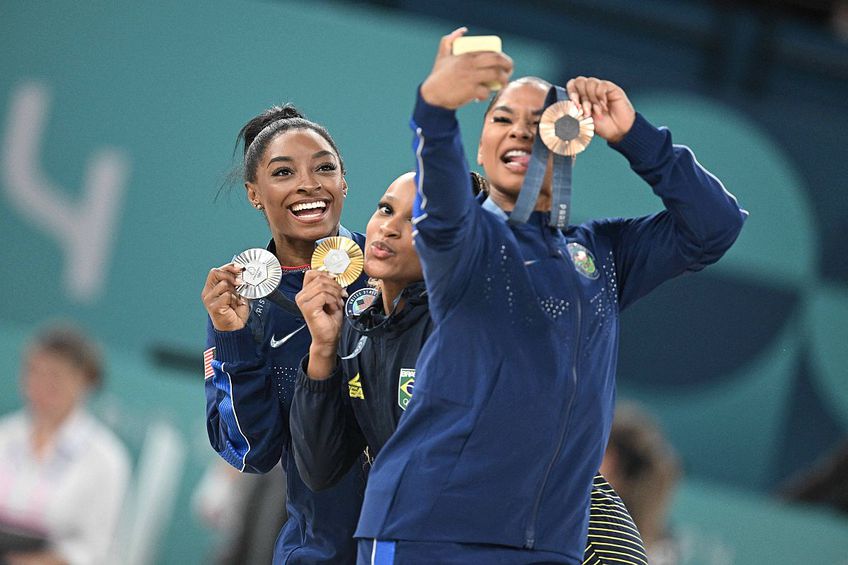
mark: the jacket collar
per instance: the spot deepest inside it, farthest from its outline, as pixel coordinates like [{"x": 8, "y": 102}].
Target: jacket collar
[
  {"x": 539, "y": 219},
  {"x": 415, "y": 306}
]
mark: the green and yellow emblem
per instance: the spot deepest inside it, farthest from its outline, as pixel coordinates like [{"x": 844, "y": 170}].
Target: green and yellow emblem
[
  {"x": 354, "y": 387},
  {"x": 583, "y": 260},
  {"x": 406, "y": 383}
]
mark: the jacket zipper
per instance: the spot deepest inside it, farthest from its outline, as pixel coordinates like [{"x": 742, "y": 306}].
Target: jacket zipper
[{"x": 530, "y": 534}]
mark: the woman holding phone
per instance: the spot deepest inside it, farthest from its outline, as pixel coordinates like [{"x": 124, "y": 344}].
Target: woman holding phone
[
  {"x": 342, "y": 406},
  {"x": 494, "y": 459}
]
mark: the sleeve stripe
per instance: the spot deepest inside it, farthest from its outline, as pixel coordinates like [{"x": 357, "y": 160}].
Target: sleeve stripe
[
  {"x": 227, "y": 409},
  {"x": 420, "y": 205}
]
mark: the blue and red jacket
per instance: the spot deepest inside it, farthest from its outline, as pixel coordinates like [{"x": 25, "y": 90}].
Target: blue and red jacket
[
  {"x": 515, "y": 388},
  {"x": 248, "y": 398}
]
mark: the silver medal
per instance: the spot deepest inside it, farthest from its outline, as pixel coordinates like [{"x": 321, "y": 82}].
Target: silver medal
[{"x": 261, "y": 275}]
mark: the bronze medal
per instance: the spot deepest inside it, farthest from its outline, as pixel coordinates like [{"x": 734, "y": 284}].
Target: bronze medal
[{"x": 564, "y": 129}]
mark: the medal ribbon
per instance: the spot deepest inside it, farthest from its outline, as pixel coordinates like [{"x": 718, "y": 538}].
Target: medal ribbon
[
  {"x": 284, "y": 302},
  {"x": 366, "y": 332},
  {"x": 532, "y": 185}
]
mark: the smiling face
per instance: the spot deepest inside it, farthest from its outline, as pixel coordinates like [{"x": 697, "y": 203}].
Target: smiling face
[
  {"x": 300, "y": 186},
  {"x": 507, "y": 138},
  {"x": 389, "y": 253}
]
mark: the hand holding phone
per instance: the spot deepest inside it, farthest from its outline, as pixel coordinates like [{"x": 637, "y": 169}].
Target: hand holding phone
[{"x": 476, "y": 43}]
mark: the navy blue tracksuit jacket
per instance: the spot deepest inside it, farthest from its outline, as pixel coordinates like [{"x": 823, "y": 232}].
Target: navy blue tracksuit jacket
[
  {"x": 515, "y": 388},
  {"x": 248, "y": 397}
]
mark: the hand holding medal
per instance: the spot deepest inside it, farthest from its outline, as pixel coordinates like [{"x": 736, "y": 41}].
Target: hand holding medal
[
  {"x": 336, "y": 263},
  {"x": 565, "y": 131},
  {"x": 341, "y": 257},
  {"x": 564, "y": 128},
  {"x": 261, "y": 274},
  {"x": 605, "y": 103}
]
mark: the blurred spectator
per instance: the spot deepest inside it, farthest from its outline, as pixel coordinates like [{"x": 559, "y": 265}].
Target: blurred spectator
[
  {"x": 246, "y": 510},
  {"x": 63, "y": 474},
  {"x": 642, "y": 466}
]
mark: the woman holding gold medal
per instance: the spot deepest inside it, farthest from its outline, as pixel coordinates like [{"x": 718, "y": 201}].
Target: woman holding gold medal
[
  {"x": 494, "y": 458},
  {"x": 294, "y": 176},
  {"x": 343, "y": 405}
]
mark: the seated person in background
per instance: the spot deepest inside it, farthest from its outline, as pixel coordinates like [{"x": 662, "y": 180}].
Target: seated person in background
[
  {"x": 63, "y": 474},
  {"x": 246, "y": 511},
  {"x": 643, "y": 468}
]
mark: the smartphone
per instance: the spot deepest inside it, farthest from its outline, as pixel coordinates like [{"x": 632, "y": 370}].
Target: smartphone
[{"x": 471, "y": 43}]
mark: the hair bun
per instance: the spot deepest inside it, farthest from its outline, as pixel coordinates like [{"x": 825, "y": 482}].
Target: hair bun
[
  {"x": 285, "y": 112},
  {"x": 273, "y": 114}
]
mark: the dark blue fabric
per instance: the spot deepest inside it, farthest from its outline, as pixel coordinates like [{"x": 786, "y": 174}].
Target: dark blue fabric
[
  {"x": 331, "y": 425},
  {"x": 247, "y": 405},
  {"x": 449, "y": 553},
  {"x": 515, "y": 388},
  {"x": 384, "y": 553}
]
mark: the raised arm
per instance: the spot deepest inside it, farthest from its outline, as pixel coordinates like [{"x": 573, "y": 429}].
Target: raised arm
[
  {"x": 444, "y": 187},
  {"x": 444, "y": 202},
  {"x": 244, "y": 418},
  {"x": 701, "y": 219},
  {"x": 326, "y": 439}
]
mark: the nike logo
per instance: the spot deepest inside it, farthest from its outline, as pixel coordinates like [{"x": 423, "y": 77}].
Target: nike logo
[
  {"x": 530, "y": 262},
  {"x": 275, "y": 343}
]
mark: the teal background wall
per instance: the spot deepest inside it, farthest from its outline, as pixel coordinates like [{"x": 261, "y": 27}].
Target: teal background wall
[
  {"x": 152, "y": 97},
  {"x": 117, "y": 125}
]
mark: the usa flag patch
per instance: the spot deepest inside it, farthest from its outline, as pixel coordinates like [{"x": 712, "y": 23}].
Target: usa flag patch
[{"x": 208, "y": 355}]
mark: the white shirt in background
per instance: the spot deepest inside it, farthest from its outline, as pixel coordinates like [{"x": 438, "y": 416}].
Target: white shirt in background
[{"x": 73, "y": 493}]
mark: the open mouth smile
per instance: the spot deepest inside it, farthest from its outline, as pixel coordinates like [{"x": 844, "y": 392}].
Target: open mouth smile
[
  {"x": 309, "y": 210},
  {"x": 516, "y": 160}
]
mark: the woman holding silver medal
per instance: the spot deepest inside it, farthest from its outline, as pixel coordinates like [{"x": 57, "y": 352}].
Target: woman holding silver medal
[
  {"x": 353, "y": 399},
  {"x": 293, "y": 175},
  {"x": 494, "y": 458}
]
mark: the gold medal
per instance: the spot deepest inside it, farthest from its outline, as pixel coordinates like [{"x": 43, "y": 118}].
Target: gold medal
[
  {"x": 564, "y": 129},
  {"x": 339, "y": 256}
]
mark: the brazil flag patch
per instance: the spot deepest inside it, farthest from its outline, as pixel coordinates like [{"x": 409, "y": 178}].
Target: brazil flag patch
[
  {"x": 406, "y": 382},
  {"x": 583, "y": 260}
]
